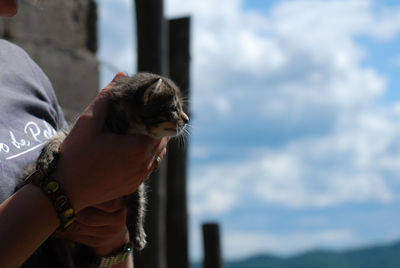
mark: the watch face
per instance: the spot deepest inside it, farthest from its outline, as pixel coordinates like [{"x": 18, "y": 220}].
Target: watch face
[{"x": 129, "y": 247}]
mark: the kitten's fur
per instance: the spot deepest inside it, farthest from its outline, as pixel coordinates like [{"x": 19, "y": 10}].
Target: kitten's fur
[{"x": 146, "y": 104}]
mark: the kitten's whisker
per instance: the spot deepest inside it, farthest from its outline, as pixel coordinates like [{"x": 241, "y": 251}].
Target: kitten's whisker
[
  {"x": 185, "y": 135},
  {"x": 186, "y": 132},
  {"x": 186, "y": 100},
  {"x": 187, "y": 129},
  {"x": 181, "y": 137},
  {"x": 186, "y": 104}
]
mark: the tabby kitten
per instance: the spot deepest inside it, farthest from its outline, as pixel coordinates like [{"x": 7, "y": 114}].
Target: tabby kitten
[{"x": 146, "y": 104}]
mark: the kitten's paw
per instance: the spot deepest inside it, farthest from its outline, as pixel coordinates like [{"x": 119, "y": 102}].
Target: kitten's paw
[{"x": 140, "y": 239}]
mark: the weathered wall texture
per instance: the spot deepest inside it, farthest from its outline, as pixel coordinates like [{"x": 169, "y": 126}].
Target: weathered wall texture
[{"x": 61, "y": 36}]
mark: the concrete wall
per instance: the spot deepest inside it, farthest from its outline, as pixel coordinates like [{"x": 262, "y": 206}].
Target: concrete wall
[{"x": 61, "y": 36}]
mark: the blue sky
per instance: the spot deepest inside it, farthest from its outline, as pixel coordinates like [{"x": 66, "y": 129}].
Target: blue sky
[{"x": 296, "y": 105}]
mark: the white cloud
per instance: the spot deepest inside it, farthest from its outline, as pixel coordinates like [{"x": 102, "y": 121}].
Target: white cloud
[
  {"x": 215, "y": 191},
  {"x": 198, "y": 152},
  {"x": 299, "y": 63},
  {"x": 117, "y": 51},
  {"x": 222, "y": 105},
  {"x": 388, "y": 24},
  {"x": 303, "y": 55},
  {"x": 344, "y": 167}
]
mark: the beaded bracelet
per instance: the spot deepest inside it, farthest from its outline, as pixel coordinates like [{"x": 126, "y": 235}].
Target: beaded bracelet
[
  {"x": 54, "y": 191},
  {"x": 60, "y": 200}
]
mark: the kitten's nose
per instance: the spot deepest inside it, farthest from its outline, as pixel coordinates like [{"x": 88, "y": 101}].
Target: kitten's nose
[{"x": 185, "y": 118}]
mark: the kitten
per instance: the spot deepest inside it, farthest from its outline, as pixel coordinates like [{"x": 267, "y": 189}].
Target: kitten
[{"x": 146, "y": 104}]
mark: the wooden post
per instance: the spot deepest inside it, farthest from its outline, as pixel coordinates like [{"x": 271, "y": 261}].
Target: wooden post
[
  {"x": 212, "y": 247},
  {"x": 151, "y": 36},
  {"x": 152, "y": 45},
  {"x": 177, "y": 218}
]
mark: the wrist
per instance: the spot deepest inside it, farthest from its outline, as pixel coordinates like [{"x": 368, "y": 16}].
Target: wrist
[
  {"x": 56, "y": 194},
  {"x": 113, "y": 245},
  {"x": 70, "y": 189},
  {"x": 120, "y": 258},
  {"x": 115, "y": 254}
]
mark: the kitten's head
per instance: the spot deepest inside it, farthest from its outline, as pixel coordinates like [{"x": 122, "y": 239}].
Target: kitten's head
[{"x": 146, "y": 104}]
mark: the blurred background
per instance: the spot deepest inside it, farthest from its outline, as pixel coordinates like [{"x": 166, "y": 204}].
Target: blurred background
[
  {"x": 295, "y": 104},
  {"x": 295, "y": 128}
]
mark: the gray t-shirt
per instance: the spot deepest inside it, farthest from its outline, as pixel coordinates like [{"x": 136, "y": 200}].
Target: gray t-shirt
[{"x": 29, "y": 114}]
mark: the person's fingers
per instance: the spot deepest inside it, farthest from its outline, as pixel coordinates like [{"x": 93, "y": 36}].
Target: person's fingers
[
  {"x": 92, "y": 217},
  {"x": 95, "y": 227},
  {"x": 158, "y": 153},
  {"x": 142, "y": 143},
  {"x": 158, "y": 159},
  {"x": 91, "y": 241},
  {"x": 161, "y": 145},
  {"x": 111, "y": 206},
  {"x": 98, "y": 231},
  {"x": 94, "y": 115}
]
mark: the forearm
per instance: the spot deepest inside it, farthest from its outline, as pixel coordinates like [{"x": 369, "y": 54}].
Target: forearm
[{"x": 27, "y": 219}]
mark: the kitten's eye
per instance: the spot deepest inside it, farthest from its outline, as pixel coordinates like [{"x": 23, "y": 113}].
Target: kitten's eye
[{"x": 173, "y": 108}]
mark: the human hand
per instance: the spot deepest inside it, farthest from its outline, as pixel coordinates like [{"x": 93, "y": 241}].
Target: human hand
[
  {"x": 95, "y": 167},
  {"x": 101, "y": 227}
]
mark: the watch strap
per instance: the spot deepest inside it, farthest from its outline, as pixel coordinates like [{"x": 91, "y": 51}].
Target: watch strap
[{"x": 115, "y": 258}]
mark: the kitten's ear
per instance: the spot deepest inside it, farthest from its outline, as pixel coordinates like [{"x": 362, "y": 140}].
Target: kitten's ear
[
  {"x": 157, "y": 87},
  {"x": 152, "y": 90}
]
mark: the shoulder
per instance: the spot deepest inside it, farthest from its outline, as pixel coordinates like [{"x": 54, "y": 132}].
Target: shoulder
[
  {"x": 13, "y": 56},
  {"x": 22, "y": 78},
  {"x": 8, "y": 49},
  {"x": 6, "y": 44},
  {"x": 14, "y": 60},
  {"x": 17, "y": 60}
]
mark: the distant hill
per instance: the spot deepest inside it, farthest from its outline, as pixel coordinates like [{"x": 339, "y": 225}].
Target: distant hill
[{"x": 372, "y": 257}]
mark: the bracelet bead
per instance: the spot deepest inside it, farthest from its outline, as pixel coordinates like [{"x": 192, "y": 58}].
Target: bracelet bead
[
  {"x": 53, "y": 190},
  {"x": 61, "y": 202}
]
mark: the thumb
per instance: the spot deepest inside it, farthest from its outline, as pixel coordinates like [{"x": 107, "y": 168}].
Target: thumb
[
  {"x": 94, "y": 116},
  {"x": 118, "y": 75}
]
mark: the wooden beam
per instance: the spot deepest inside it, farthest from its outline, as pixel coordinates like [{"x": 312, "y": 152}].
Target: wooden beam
[
  {"x": 212, "y": 247},
  {"x": 177, "y": 216},
  {"x": 152, "y": 57},
  {"x": 151, "y": 36}
]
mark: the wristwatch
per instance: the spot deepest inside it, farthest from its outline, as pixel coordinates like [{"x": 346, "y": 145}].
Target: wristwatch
[{"x": 116, "y": 258}]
